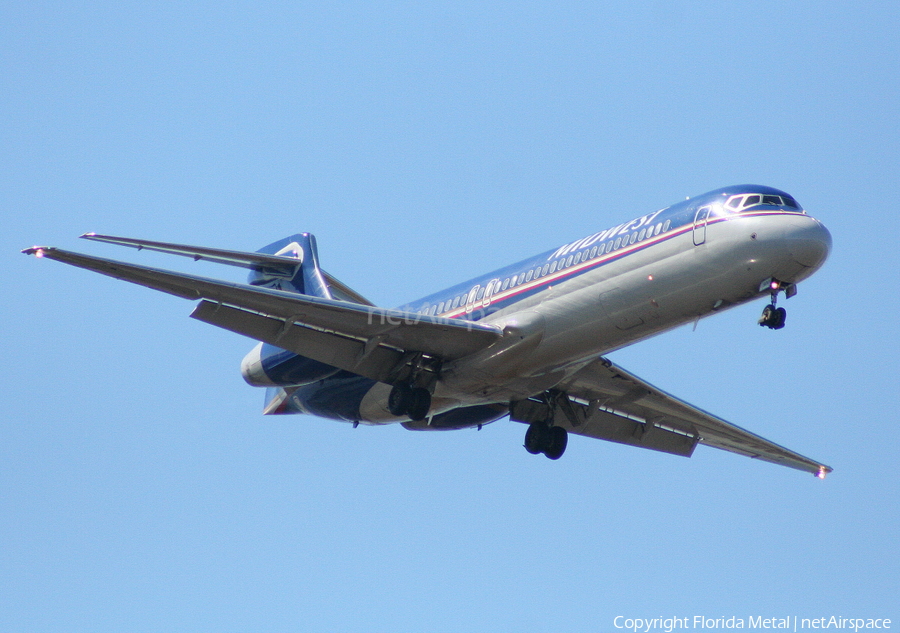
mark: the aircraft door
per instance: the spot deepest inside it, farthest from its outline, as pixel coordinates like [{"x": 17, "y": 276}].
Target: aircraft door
[
  {"x": 470, "y": 300},
  {"x": 700, "y": 220},
  {"x": 492, "y": 287}
]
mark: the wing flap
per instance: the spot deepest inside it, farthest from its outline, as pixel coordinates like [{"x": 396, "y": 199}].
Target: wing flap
[
  {"x": 378, "y": 362},
  {"x": 608, "y": 390},
  {"x": 369, "y": 326}
]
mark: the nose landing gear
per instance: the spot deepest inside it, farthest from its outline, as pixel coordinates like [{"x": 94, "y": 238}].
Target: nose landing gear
[{"x": 774, "y": 317}]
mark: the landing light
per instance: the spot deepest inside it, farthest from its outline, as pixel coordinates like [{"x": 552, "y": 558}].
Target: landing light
[
  {"x": 775, "y": 285},
  {"x": 821, "y": 474},
  {"x": 649, "y": 277},
  {"x": 39, "y": 252}
]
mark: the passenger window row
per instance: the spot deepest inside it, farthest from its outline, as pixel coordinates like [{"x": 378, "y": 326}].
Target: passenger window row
[{"x": 548, "y": 268}]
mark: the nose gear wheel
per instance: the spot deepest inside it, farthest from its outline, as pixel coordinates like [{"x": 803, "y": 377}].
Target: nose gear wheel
[{"x": 774, "y": 317}]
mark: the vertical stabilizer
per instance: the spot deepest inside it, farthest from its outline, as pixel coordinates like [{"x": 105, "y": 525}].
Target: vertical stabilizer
[{"x": 306, "y": 279}]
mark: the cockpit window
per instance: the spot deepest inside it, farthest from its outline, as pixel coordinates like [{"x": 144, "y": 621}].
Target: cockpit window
[
  {"x": 744, "y": 201},
  {"x": 734, "y": 203},
  {"x": 790, "y": 202}
]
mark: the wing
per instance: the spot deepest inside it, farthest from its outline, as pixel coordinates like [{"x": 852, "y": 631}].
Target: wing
[
  {"x": 366, "y": 340},
  {"x": 609, "y": 403}
]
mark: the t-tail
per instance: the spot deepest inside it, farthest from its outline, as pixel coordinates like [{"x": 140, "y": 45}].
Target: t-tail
[
  {"x": 268, "y": 365},
  {"x": 306, "y": 279}
]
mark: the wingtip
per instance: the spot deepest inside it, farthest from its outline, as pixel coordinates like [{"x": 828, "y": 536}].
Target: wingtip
[
  {"x": 37, "y": 251},
  {"x": 823, "y": 470},
  {"x": 87, "y": 236}
]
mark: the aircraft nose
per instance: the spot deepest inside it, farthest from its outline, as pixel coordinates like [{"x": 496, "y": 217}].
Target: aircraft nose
[{"x": 810, "y": 242}]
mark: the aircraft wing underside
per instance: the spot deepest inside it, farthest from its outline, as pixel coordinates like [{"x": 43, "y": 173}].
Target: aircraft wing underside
[
  {"x": 609, "y": 403},
  {"x": 369, "y": 341}
]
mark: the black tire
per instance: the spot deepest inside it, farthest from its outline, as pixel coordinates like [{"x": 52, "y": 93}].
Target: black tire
[
  {"x": 780, "y": 318},
  {"x": 400, "y": 400},
  {"x": 420, "y": 403},
  {"x": 537, "y": 437},
  {"x": 559, "y": 439}
]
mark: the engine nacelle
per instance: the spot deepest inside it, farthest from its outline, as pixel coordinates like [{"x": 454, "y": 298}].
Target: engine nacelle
[{"x": 270, "y": 366}]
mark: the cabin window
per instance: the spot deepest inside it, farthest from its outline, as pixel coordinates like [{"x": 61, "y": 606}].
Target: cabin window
[
  {"x": 456, "y": 302},
  {"x": 618, "y": 243},
  {"x": 593, "y": 252},
  {"x": 666, "y": 225},
  {"x": 480, "y": 294},
  {"x": 569, "y": 260},
  {"x": 658, "y": 228},
  {"x": 642, "y": 234},
  {"x": 633, "y": 238},
  {"x": 545, "y": 269},
  {"x": 505, "y": 284},
  {"x": 529, "y": 275},
  {"x": 553, "y": 267}
]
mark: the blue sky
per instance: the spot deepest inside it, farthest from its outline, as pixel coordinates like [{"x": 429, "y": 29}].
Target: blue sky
[{"x": 141, "y": 489}]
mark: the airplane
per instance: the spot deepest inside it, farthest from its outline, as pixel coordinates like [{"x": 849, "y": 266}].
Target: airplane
[{"x": 528, "y": 341}]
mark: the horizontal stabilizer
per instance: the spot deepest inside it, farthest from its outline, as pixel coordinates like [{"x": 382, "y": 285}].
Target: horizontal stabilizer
[{"x": 281, "y": 265}]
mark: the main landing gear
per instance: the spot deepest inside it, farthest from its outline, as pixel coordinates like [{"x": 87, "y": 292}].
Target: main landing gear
[
  {"x": 549, "y": 440},
  {"x": 774, "y": 317},
  {"x": 539, "y": 412},
  {"x": 412, "y": 401}
]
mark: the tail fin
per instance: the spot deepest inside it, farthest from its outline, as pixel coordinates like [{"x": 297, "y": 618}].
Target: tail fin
[{"x": 307, "y": 279}]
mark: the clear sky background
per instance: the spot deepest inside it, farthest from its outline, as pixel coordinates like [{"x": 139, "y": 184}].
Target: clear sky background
[{"x": 424, "y": 143}]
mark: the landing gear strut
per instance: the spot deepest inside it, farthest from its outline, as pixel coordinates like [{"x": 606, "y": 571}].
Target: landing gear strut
[
  {"x": 773, "y": 317},
  {"x": 411, "y": 401}
]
